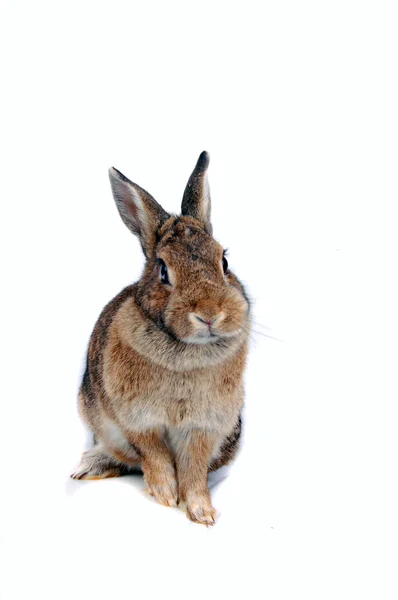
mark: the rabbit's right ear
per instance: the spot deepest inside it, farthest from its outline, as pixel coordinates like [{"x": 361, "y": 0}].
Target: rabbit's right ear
[
  {"x": 196, "y": 200},
  {"x": 139, "y": 211}
]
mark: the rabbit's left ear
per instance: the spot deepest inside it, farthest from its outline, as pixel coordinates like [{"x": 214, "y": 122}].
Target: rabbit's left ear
[
  {"x": 139, "y": 210},
  {"x": 196, "y": 200}
]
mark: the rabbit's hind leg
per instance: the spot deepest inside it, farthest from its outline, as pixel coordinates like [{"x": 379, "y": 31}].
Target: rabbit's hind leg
[
  {"x": 229, "y": 447},
  {"x": 97, "y": 464}
]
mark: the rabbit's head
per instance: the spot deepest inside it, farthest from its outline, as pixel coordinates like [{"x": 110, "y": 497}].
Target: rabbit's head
[{"x": 186, "y": 288}]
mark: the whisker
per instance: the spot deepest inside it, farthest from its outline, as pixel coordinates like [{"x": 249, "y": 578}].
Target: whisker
[
  {"x": 254, "y": 331},
  {"x": 271, "y": 337},
  {"x": 233, "y": 302},
  {"x": 261, "y": 325}
]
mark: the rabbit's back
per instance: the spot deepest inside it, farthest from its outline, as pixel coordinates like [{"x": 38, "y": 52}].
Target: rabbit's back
[{"x": 92, "y": 395}]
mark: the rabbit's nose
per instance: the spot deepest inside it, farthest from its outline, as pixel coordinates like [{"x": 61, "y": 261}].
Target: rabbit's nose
[{"x": 207, "y": 321}]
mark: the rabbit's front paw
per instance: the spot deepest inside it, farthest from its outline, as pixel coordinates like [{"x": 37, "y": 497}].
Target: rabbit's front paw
[
  {"x": 200, "y": 510},
  {"x": 164, "y": 490}
]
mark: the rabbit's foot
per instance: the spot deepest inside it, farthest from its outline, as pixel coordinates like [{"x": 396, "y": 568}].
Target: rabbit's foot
[
  {"x": 96, "y": 464},
  {"x": 200, "y": 510},
  {"x": 162, "y": 484}
]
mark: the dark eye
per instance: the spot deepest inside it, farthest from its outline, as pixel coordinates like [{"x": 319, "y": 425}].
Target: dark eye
[
  {"x": 163, "y": 272},
  {"x": 224, "y": 264}
]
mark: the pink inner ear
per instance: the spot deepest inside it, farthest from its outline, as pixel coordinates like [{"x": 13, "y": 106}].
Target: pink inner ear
[{"x": 131, "y": 211}]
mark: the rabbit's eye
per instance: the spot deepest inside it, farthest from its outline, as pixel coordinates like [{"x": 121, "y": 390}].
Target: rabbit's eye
[
  {"x": 224, "y": 264},
  {"x": 163, "y": 272}
]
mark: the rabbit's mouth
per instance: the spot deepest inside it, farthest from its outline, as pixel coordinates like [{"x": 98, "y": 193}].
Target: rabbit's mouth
[
  {"x": 201, "y": 338},
  {"x": 209, "y": 337}
]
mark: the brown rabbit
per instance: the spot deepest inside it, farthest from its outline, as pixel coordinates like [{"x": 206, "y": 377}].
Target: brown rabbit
[{"x": 162, "y": 391}]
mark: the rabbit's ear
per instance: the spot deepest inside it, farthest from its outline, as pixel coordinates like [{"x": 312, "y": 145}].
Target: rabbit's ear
[
  {"x": 139, "y": 211},
  {"x": 196, "y": 200}
]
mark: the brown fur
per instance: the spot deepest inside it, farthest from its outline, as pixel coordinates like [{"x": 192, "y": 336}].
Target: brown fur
[{"x": 154, "y": 396}]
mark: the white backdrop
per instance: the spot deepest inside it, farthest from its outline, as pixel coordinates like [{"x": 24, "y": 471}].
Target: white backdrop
[{"x": 297, "y": 104}]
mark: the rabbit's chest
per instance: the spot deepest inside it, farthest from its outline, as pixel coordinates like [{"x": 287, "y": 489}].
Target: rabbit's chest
[{"x": 182, "y": 401}]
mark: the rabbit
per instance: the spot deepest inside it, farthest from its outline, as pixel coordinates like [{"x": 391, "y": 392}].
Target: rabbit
[{"x": 162, "y": 391}]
